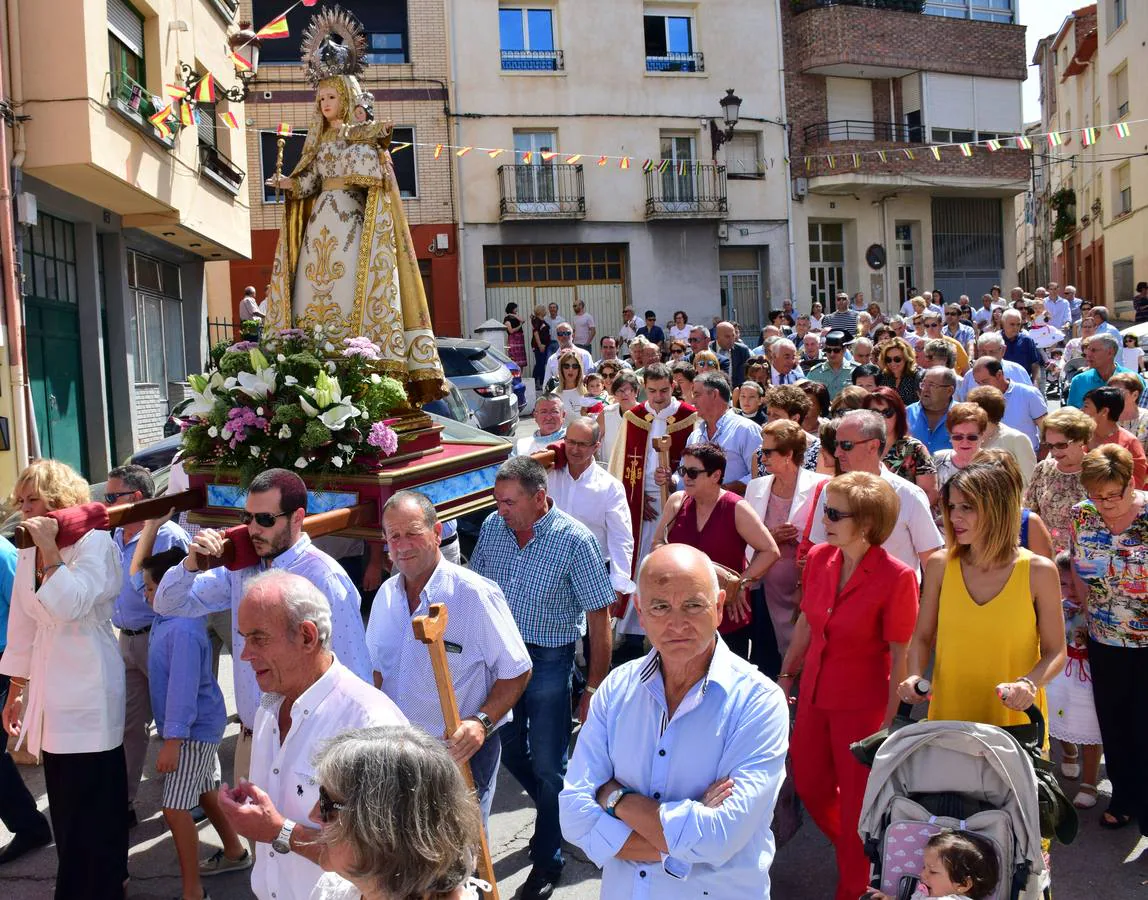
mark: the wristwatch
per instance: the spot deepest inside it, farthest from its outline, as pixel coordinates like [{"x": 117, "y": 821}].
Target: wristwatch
[
  {"x": 615, "y": 798},
  {"x": 484, "y": 720},
  {"x": 282, "y": 844}
]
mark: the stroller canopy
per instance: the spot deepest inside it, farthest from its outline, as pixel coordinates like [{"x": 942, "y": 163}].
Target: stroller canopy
[{"x": 979, "y": 761}]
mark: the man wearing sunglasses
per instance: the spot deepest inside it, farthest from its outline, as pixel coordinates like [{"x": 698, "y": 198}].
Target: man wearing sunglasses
[
  {"x": 565, "y": 334},
  {"x": 134, "y": 617},
  {"x": 273, "y": 512},
  {"x": 928, "y": 417},
  {"x": 835, "y": 373},
  {"x": 309, "y": 697},
  {"x": 860, "y": 442}
]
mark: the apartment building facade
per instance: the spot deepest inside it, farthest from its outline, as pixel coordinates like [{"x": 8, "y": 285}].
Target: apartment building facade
[
  {"x": 560, "y": 86},
  {"x": 407, "y": 74},
  {"x": 119, "y": 221},
  {"x": 869, "y": 85}
]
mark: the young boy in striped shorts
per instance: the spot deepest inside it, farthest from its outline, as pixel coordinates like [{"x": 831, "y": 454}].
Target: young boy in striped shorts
[{"x": 190, "y": 717}]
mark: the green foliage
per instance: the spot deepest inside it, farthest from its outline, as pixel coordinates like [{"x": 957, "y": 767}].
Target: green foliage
[
  {"x": 315, "y": 435},
  {"x": 233, "y": 362}
]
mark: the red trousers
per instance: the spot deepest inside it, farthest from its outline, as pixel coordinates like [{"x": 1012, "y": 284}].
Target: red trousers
[{"x": 831, "y": 783}]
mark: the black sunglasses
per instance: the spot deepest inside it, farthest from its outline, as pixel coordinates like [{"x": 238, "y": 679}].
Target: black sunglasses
[
  {"x": 263, "y": 520},
  {"x": 691, "y": 472},
  {"x": 565, "y": 333},
  {"x": 887, "y": 412},
  {"x": 571, "y": 366},
  {"x": 848, "y": 446},
  {"x": 894, "y": 359},
  {"x": 835, "y": 515},
  {"x": 328, "y": 808},
  {"x": 112, "y": 498}
]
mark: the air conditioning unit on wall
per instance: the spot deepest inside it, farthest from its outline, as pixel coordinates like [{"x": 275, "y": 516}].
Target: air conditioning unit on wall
[
  {"x": 800, "y": 188},
  {"x": 723, "y": 231}
]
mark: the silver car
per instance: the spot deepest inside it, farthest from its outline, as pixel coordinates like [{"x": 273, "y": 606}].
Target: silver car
[{"x": 485, "y": 383}]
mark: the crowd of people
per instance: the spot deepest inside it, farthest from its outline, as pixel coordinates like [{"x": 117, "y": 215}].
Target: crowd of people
[{"x": 730, "y": 544}]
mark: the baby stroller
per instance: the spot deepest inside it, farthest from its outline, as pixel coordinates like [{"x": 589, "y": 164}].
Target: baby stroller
[{"x": 929, "y": 777}]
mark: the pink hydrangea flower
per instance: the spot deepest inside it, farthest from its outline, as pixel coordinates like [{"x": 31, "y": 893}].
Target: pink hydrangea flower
[{"x": 384, "y": 438}]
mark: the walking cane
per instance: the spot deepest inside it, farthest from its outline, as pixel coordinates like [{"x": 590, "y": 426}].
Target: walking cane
[
  {"x": 430, "y": 630},
  {"x": 662, "y": 446}
]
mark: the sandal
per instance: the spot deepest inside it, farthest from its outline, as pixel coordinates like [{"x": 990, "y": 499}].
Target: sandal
[
  {"x": 1112, "y": 821},
  {"x": 1086, "y": 797},
  {"x": 1070, "y": 765}
]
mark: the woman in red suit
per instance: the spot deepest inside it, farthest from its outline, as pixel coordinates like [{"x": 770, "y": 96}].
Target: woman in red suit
[{"x": 858, "y": 609}]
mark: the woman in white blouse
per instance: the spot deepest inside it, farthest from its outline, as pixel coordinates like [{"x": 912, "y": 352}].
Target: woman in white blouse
[
  {"x": 680, "y": 329},
  {"x": 397, "y": 819},
  {"x": 783, "y": 500},
  {"x": 62, "y": 653}
]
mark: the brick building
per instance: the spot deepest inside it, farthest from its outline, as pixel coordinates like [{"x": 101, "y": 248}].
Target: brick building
[
  {"x": 408, "y": 76},
  {"x": 888, "y": 76}
]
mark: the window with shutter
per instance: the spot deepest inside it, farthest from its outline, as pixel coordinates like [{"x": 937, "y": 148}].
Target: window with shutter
[
  {"x": 127, "y": 25},
  {"x": 205, "y": 125},
  {"x": 743, "y": 155}
]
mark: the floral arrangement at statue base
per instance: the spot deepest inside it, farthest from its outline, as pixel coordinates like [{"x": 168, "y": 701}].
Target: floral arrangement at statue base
[{"x": 299, "y": 401}]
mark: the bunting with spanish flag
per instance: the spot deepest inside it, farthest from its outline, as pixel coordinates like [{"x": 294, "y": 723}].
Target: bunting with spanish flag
[
  {"x": 276, "y": 28},
  {"x": 205, "y": 90},
  {"x": 284, "y": 130},
  {"x": 228, "y": 119}
]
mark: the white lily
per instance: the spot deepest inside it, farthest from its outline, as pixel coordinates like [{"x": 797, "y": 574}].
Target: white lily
[
  {"x": 327, "y": 393},
  {"x": 258, "y": 384},
  {"x": 203, "y": 395}
]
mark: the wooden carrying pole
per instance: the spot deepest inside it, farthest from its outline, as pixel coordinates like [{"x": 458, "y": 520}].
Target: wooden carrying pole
[
  {"x": 430, "y": 630},
  {"x": 126, "y": 513},
  {"x": 662, "y": 446}
]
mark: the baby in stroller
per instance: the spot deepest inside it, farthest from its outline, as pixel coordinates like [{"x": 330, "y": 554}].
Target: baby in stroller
[{"x": 957, "y": 865}]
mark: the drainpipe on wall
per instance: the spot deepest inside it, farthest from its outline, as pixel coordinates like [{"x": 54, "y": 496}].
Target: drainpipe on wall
[
  {"x": 454, "y": 114},
  {"x": 13, "y": 307},
  {"x": 789, "y": 168}
]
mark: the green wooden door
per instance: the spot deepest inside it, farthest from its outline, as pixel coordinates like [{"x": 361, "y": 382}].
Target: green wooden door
[{"x": 53, "y": 340}]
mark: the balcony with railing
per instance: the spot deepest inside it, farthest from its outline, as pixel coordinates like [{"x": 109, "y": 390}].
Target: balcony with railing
[
  {"x": 686, "y": 190},
  {"x": 216, "y": 167},
  {"x": 677, "y": 62},
  {"x": 532, "y": 61},
  {"x": 913, "y": 6},
  {"x": 860, "y": 130},
  {"x": 132, "y": 101},
  {"x": 546, "y": 191}
]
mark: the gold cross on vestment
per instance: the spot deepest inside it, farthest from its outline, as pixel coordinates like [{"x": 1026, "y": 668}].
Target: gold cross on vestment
[{"x": 633, "y": 471}]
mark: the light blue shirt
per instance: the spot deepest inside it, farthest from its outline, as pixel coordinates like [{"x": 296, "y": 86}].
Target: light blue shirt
[
  {"x": 1013, "y": 372},
  {"x": 1023, "y": 405},
  {"x": 1088, "y": 380},
  {"x": 733, "y": 723},
  {"x": 8, "y": 557},
  {"x": 132, "y": 610},
  {"x": 185, "y": 697},
  {"x": 1060, "y": 312},
  {"x": 738, "y": 436},
  {"x": 934, "y": 439},
  {"x": 1109, "y": 328},
  {"x": 192, "y": 594}
]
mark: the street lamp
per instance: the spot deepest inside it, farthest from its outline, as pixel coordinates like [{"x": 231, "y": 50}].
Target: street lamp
[
  {"x": 245, "y": 50},
  {"x": 730, "y": 110}
]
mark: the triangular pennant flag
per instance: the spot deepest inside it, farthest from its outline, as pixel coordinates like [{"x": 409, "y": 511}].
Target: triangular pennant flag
[
  {"x": 228, "y": 119},
  {"x": 936, "y": 151},
  {"x": 966, "y": 149},
  {"x": 437, "y": 150},
  {"x": 284, "y": 130},
  {"x": 527, "y": 156},
  {"x": 808, "y": 163},
  {"x": 571, "y": 160},
  {"x": 1054, "y": 139},
  {"x": 547, "y": 155},
  {"x": 494, "y": 153},
  {"x": 832, "y": 161},
  {"x": 602, "y": 161},
  {"x": 856, "y": 160},
  {"x": 157, "y": 118},
  {"x": 185, "y": 114},
  {"x": 909, "y": 154},
  {"x": 175, "y": 91},
  {"x": 625, "y": 163},
  {"x": 663, "y": 165},
  {"x": 205, "y": 90},
  {"x": 1122, "y": 130},
  {"x": 1090, "y": 136},
  {"x": 1023, "y": 142},
  {"x": 884, "y": 157},
  {"x": 395, "y": 148},
  {"x": 648, "y": 165},
  {"x": 463, "y": 151},
  {"x": 682, "y": 167},
  {"x": 241, "y": 62},
  {"x": 276, "y": 28},
  {"x": 993, "y": 145}
]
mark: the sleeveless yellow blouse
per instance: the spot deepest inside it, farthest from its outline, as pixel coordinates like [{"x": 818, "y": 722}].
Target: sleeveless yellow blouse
[{"x": 980, "y": 646}]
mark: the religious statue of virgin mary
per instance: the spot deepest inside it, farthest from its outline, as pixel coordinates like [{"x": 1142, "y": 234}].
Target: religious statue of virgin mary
[{"x": 344, "y": 259}]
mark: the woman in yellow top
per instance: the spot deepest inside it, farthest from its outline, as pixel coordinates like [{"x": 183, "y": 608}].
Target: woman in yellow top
[{"x": 990, "y": 610}]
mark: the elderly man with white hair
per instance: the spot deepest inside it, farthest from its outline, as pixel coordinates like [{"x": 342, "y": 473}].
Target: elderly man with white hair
[
  {"x": 1103, "y": 326},
  {"x": 673, "y": 782},
  {"x": 309, "y": 697},
  {"x": 1100, "y": 352},
  {"x": 783, "y": 367},
  {"x": 1019, "y": 347},
  {"x": 992, "y": 344}
]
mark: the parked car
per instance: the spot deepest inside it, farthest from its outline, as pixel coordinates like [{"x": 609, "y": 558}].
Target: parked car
[
  {"x": 484, "y": 382},
  {"x": 515, "y": 373},
  {"x": 171, "y": 423},
  {"x": 452, "y": 407}
]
